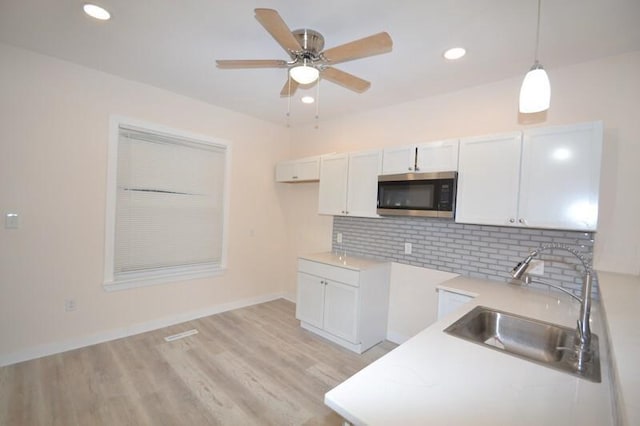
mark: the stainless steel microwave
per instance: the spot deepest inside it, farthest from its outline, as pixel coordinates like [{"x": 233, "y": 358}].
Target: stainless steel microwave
[{"x": 417, "y": 194}]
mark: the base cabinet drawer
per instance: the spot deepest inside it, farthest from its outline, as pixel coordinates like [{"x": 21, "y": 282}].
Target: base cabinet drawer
[{"x": 352, "y": 314}]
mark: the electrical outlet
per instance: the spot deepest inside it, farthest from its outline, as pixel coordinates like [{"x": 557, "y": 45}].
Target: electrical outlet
[
  {"x": 536, "y": 267},
  {"x": 407, "y": 248},
  {"x": 69, "y": 305},
  {"x": 339, "y": 238},
  {"x": 11, "y": 221}
]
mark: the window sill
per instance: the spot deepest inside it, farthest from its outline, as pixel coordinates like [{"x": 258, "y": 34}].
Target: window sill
[{"x": 164, "y": 276}]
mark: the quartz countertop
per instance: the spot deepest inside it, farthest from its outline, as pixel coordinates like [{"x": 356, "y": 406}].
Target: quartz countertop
[
  {"x": 343, "y": 260},
  {"x": 438, "y": 379},
  {"x": 621, "y": 300}
]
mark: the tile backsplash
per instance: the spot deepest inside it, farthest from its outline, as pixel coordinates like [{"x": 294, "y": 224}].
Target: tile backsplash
[{"x": 480, "y": 251}]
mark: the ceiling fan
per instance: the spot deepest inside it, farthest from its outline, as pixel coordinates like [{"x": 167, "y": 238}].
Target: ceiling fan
[{"x": 308, "y": 60}]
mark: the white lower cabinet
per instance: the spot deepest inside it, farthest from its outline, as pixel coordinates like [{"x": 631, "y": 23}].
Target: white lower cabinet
[
  {"x": 347, "y": 305},
  {"x": 449, "y": 301}
]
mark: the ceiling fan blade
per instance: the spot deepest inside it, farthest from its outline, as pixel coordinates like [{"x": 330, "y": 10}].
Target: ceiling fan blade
[
  {"x": 345, "y": 79},
  {"x": 289, "y": 88},
  {"x": 368, "y": 46},
  {"x": 251, "y": 63},
  {"x": 273, "y": 23}
]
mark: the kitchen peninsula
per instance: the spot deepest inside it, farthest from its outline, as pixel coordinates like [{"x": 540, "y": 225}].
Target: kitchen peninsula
[{"x": 436, "y": 378}]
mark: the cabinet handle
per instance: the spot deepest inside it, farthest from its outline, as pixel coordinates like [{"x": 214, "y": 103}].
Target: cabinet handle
[
  {"x": 417, "y": 169},
  {"x": 295, "y": 177},
  {"x": 512, "y": 220},
  {"x": 347, "y": 212},
  {"x": 410, "y": 168},
  {"x": 343, "y": 212},
  {"x": 522, "y": 221}
]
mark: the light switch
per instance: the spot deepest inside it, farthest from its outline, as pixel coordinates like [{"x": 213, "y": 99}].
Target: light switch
[{"x": 11, "y": 221}]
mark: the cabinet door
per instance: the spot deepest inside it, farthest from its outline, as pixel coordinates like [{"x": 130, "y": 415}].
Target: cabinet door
[
  {"x": 285, "y": 171},
  {"x": 332, "y": 193},
  {"x": 310, "y": 299},
  {"x": 307, "y": 169},
  {"x": 439, "y": 156},
  {"x": 341, "y": 311},
  {"x": 561, "y": 177},
  {"x": 304, "y": 169},
  {"x": 488, "y": 179},
  {"x": 362, "y": 192},
  {"x": 398, "y": 160}
]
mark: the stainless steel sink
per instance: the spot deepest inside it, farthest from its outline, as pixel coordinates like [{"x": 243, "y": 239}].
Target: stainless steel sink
[{"x": 541, "y": 342}]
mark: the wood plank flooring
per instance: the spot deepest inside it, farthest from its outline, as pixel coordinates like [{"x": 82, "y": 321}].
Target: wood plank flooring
[{"x": 251, "y": 366}]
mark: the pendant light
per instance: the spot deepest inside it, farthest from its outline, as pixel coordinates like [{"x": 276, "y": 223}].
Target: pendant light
[{"x": 535, "y": 93}]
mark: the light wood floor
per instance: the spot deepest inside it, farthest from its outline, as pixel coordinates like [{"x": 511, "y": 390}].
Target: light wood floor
[{"x": 251, "y": 366}]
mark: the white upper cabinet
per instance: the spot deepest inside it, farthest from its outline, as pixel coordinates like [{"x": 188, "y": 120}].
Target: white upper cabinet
[
  {"x": 349, "y": 184},
  {"x": 362, "y": 190},
  {"x": 441, "y": 156},
  {"x": 488, "y": 179},
  {"x": 398, "y": 160},
  {"x": 302, "y": 170},
  {"x": 541, "y": 178},
  {"x": 560, "y": 177},
  {"x": 332, "y": 193}
]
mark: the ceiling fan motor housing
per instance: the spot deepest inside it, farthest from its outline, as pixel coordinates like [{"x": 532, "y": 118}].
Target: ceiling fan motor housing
[{"x": 312, "y": 46}]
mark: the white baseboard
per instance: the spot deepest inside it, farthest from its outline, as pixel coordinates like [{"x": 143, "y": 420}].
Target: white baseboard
[
  {"x": 396, "y": 337},
  {"x": 291, "y": 297},
  {"x": 105, "y": 336}
]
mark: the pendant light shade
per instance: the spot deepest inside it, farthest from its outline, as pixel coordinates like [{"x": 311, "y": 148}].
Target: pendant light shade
[{"x": 535, "y": 93}]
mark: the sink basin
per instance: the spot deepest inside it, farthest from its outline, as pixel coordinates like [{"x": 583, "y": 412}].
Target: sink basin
[{"x": 541, "y": 342}]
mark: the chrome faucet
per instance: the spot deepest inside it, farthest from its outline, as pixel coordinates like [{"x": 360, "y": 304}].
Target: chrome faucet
[{"x": 582, "y": 347}]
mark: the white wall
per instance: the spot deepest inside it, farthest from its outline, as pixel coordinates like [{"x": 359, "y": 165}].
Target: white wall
[
  {"x": 53, "y": 148},
  {"x": 607, "y": 89},
  {"x": 53, "y": 145}
]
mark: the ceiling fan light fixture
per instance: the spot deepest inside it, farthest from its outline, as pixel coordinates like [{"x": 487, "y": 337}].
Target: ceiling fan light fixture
[
  {"x": 304, "y": 74},
  {"x": 307, "y": 99},
  {"x": 96, "y": 11}
]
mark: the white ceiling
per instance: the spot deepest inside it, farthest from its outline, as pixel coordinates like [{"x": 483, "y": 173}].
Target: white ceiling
[{"x": 173, "y": 44}]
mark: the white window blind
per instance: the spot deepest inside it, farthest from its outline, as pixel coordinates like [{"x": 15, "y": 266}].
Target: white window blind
[{"x": 169, "y": 213}]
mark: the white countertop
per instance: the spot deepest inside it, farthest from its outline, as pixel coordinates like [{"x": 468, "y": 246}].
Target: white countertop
[
  {"x": 438, "y": 379},
  {"x": 621, "y": 299},
  {"x": 345, "y": 261}
]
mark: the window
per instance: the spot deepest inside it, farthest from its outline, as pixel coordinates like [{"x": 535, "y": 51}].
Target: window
[{"x": 166, "y": 206}]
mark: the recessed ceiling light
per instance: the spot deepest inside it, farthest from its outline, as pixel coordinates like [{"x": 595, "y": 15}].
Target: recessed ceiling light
[
  {"x": 454, "y": 53},
  {"x": 307, "y": 99},
  {"x": 96, "y": 11}
]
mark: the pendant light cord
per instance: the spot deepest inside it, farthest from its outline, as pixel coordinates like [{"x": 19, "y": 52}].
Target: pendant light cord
[{"x": 537, "y": 33}]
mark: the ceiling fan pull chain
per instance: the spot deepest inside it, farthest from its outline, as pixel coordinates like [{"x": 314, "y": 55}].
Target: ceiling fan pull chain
[
  {"x": 318, "y": 103},
  {"x": 288, "y": 99}
]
